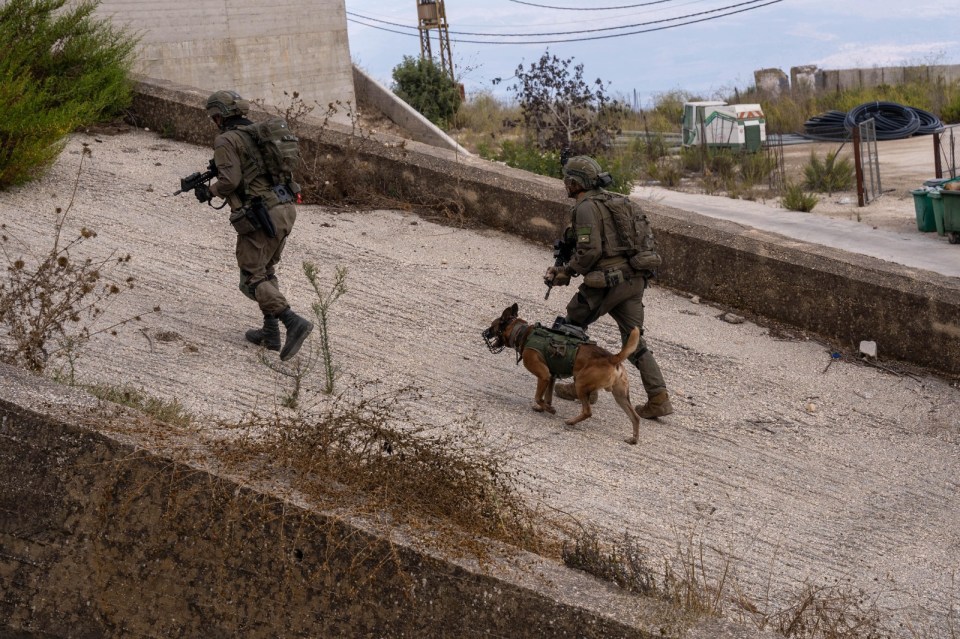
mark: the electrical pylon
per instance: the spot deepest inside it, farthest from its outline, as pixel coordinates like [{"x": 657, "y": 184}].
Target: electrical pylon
[{"x": 431, "y": 14}]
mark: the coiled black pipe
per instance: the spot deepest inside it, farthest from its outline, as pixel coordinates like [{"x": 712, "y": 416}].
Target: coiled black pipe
[
  {"x": 828, "y": 127},
  {"x": 893, "y": 122},
  {"x": 929, "y": 123}
]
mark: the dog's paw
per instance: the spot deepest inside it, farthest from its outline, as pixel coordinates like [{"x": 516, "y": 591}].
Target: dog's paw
[
  {"x": 550, "y": 409},
  {"x": 631, "y": 440},
  {"x": 537, "y": 407}
]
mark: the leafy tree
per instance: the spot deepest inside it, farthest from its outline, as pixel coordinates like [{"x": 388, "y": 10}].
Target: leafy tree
[
  {"x": 427, "y": 88},
  {"x": 61, "y": 68},
  {"x": 562, "y": 109}
]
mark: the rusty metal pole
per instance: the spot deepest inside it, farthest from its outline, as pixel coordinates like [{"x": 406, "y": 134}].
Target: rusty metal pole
[
  {"x": 937, "y": 168},
  {"x": 858, "y": 162}
]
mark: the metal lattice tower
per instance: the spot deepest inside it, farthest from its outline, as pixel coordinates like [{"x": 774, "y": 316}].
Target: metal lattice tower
[{"x": 431, "y": 14}]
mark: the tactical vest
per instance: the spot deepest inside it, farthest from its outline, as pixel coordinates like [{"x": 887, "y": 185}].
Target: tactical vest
[
  {"x": 558, "y": 349},
  {"x": 255, "y": 181},
  {"x": 633, "y": 234}
]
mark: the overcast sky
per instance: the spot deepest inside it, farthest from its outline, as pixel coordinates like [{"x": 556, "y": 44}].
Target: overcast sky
[{"x": 716, "y": 51}]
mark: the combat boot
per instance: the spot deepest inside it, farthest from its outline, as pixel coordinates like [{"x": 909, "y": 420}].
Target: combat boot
[
  {"x": 297, "y": 331},
  {"x": 568, "y": 391},
  {"x": 656, "y": 406},
  {"x": 268, "y": 336}
]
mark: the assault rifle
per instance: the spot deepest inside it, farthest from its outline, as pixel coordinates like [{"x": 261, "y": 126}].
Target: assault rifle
[
  {"x": 562, "y": 252},
  {"x": 194, "y": 180}
]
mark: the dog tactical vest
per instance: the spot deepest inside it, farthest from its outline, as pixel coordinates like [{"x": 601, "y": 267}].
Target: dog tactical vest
[{"x": 558, "y": 349}]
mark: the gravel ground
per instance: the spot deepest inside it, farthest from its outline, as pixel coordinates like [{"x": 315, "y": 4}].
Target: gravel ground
[{"x": 792, "y": 470}]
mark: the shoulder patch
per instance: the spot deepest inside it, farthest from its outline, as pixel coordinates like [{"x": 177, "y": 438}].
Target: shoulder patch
[{"x": 583, "y": 234}]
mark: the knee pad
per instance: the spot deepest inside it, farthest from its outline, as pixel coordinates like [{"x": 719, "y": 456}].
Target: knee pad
[{"x": 248, "y": 289}]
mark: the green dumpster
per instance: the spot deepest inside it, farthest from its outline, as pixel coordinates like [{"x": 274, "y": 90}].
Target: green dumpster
[
  {"x": 951, "y": 215},
  {"x": 937, "y": 203},
  {"x": 924, "y": 208}
]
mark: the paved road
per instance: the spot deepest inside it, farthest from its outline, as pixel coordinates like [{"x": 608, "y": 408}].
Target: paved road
[
  {"x": 793, "y": 470},
  {"x": 918, "y": 250}
]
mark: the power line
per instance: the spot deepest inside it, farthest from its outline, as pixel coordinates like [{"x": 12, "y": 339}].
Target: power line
[
  {"x": 555, "y": 33},
  {"x": 625, "y": 6},
  {"x": 601, "y": 37},
  {"x": 579, "y": 20}
]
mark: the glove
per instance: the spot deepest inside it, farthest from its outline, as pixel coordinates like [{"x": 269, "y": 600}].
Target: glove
[
  {"x": 203, "y": 193},
  {"x": 556, "y": 276}
]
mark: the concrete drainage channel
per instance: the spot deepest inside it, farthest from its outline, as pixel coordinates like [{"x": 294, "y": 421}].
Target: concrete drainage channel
[
  {"x": 85, "y": 525},
  {"x": 97, "y": 508}
]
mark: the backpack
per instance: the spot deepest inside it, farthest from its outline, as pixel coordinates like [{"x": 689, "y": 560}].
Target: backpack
[
  {"x": 275, "y": 149},
  {"x": 634, "y": 233}
]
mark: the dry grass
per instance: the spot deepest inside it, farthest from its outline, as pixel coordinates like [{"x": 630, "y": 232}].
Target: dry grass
[
  {"x": 383, "y": 460},
  {"x": 49, "y": 304}
]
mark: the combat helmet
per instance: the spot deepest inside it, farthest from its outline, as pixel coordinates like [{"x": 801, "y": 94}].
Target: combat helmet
[
  {"x": 584, "y": 170},
  {"x": 227, "y": 104}
]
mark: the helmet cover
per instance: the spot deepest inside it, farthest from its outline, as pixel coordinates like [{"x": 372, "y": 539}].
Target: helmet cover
[
  {"x": 227, "y": 104},
  {"x": 584, "y": 170}
]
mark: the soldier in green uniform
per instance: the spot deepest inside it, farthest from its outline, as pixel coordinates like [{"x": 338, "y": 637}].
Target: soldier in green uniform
[
  {"x": 240, "y": 180},
  {"x": 614, "y": 251}
]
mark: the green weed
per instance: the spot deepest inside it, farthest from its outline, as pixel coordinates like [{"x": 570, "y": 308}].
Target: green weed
[{"x": 796, "y": 199}]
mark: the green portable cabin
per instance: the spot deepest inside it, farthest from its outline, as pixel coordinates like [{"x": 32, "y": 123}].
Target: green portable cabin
[{"x": 724, "y": 126}]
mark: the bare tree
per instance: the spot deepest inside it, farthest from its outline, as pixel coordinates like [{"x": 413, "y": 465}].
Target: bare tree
[{"x": 562, "y": 109}]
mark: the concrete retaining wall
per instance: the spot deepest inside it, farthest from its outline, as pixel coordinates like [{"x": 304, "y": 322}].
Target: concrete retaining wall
[
  {"x": 109, "y": 529},
  {"x": 259, "y": 49},
  {"x": 372, "y": 94},
  {"x": 913, "y": 315}
]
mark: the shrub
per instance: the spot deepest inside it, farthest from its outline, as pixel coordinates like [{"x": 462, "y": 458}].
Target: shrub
[
  {"x": 829, "y": 175},
  {"x": 756, "y": 167},
  {"x": 525, "y": 155},
  {"x": 61, "y": 68},
  {"x": 950, "y": 113},
  {"x": 795, "y": 199},
  {"x": 427, "y": 88},
  {"x": 668, "y": 171}
]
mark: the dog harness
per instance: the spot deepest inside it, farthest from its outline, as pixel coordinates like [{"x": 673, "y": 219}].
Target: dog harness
[{"x": 559, "y": 349}]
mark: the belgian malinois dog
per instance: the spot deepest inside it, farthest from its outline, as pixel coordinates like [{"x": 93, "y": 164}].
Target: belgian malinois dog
[{"x": 594, "y": 368}]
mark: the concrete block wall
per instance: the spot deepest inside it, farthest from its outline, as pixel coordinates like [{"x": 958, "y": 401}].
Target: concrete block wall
[
  {"x": 259, "y": 49},
  {"x": 843, "y": 79}
]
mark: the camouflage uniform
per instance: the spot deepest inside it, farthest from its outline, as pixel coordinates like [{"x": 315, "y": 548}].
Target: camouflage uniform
[
  {"x": 240, "y": 180},
  {"x": 610, "y": 284},
  {"x": 257, "y": 254},
  {"x": 593, "y": 224}
]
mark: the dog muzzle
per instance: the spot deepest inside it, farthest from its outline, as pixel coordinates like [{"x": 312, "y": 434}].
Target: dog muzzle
[{"x": 494, "y": 342}]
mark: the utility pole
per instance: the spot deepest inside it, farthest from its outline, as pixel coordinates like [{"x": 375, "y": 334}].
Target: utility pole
[{"x": 431, "y": 14}]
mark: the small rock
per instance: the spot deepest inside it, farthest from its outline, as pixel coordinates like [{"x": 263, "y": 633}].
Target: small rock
[
  {"x": 868, "y": 348},
  {"x": 812, "y": 408},
  {"x": 695, "y": 299},
  {"x": 845, "y": 200},
  {"x": 730, "y": 318}
]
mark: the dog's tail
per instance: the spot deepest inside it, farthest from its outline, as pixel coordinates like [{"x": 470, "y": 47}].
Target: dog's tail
[{"x": 628, "y": 349}]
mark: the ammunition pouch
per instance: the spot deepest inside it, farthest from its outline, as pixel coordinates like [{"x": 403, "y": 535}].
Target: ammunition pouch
[
  {"x": 243, "y": 221},
  {"x": 645, "y": 261},
  {"x": 604, "y": 279},
  {"x": 253, "y": 217}
]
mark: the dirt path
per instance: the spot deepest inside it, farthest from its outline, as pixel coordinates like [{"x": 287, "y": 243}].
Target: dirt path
[{"x": 792, "y": 470}]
